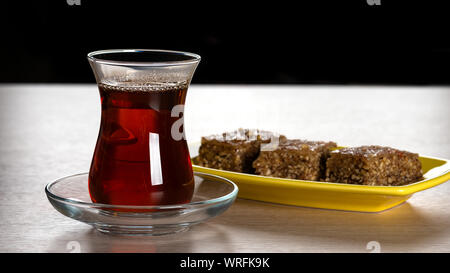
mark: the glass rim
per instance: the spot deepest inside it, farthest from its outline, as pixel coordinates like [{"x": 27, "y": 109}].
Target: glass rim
[{"x": 194, "y": 58}]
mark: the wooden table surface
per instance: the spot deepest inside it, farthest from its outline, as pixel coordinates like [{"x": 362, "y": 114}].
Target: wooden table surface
[{"x": 49, "y": 131}]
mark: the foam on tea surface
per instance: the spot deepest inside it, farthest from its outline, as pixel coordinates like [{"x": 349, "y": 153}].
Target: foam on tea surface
[{"x": 143, "y": 86}]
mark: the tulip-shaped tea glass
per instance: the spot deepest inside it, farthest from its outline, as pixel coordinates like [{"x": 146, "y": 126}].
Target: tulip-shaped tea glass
[{"x": 141, "y": 156}]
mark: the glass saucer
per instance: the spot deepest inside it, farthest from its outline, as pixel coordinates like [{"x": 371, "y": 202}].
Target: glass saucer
[{"x": 212, "y": 196}]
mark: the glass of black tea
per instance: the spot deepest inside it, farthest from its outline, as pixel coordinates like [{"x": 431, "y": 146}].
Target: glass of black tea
[{"x": 141, "y": 157}]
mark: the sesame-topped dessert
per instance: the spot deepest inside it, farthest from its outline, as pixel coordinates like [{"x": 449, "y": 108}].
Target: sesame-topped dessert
[
  {"x": 266, "y": 153},
  {"x": 295, "y": 159},
  {"x": 373, "y": 165},
  {"x": 233, "y": 151}
]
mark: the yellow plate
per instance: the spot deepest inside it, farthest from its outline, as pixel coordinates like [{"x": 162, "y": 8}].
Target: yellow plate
[{"x": 331, "y": 195}]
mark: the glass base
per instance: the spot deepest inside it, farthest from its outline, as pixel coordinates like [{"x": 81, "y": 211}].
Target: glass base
[
  {"x": 140, "y": 230},
  {"x": 212, "y": 196}
]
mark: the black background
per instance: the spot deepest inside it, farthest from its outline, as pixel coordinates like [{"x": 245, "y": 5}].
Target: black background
[{"x": 312, "y": 42}]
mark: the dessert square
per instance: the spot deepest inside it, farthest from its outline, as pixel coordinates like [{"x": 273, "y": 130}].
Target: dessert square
[
  {"x": 233, "y": 151},
  {"x": 373, "y": 165},
  {"x": 295, "y": 159}
]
